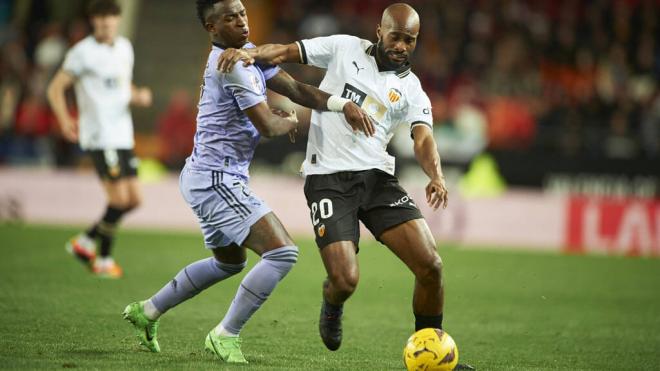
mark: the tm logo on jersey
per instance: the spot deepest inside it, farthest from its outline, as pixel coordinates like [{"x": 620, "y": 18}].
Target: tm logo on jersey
[
  {"x": 373, "y": 106},
  {"x": 354, "y": 94}
]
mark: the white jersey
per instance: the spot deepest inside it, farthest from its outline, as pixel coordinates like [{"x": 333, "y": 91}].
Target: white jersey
[
  {"x": 104, "y": 75},
  {"x": 391, "y": 98}
]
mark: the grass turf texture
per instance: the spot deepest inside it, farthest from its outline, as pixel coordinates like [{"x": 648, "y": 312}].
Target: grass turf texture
[{"x": 506, "y": 310}]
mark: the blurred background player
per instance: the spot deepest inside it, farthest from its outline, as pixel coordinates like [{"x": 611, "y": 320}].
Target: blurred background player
[
  {"x": 100, "y": 67},
  {"x": 351, "y": 178},
  {"x": 233, "y": 114}
]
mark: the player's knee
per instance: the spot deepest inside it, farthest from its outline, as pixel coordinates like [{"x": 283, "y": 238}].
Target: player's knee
[
  {"x": 345, "y": 282},
  {"x": 118, "y": 202},
  {"x": 283, "y": 258},
  {"x": 229, "y": 268},
  {"x": 133, "y": 203},
  {"x": 430, "y": 273}
]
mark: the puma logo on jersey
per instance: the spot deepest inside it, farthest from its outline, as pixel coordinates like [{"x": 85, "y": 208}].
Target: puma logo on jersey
[{"x": 358, "y": 68}]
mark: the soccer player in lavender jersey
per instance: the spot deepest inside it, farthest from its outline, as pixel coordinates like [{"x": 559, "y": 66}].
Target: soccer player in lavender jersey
[
  {"x": 351, "y": 178},
  {"x": 233, "y": 114}
]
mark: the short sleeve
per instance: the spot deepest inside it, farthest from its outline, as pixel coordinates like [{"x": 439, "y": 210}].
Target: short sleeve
[
  {"x": 268, "y": 70},
  {"x": 245, "y": 85},
  {"x": 319, "y": 51},
  {"x": 419, "y": 110},
  {"x": 74, "y": 62}
]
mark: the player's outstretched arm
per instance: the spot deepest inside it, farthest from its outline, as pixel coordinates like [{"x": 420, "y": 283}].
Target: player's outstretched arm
[
  {"x": 314, "y": 98},
  {"x": 265, "y": 54},
  {"x": 426, "y": 153},
  {"x": 57, "y": 100},
  {"x": 271, "y": 123}
]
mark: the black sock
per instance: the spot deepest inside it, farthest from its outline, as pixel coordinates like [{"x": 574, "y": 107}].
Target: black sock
[
  {"x": 93, "y": 231},
  {"x": 428, "y": 321},
  {"x": 332, "y": 310},
  {"x": 106, "y": 238},
  {"x": 105, "y": 229}
]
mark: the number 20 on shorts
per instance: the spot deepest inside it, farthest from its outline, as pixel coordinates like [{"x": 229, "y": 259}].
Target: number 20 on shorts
[{"x": 322, "y": 209}]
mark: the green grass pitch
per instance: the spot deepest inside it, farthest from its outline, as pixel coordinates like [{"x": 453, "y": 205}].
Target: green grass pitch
[{"x": 506, "y": 310}]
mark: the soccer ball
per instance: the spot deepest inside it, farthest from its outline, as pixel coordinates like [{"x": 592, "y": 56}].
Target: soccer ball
[{"x": 430, "y": 349}]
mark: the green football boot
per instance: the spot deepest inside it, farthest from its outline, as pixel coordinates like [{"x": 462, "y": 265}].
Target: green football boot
[
  {"x": 145, "y": 329},
  {"x": 228, "y": 348}
]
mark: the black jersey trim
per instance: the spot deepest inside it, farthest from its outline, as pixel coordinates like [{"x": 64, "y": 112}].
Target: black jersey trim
[
  {"x": 303, "y": 52},
  {"x": 417, "y": 123}
]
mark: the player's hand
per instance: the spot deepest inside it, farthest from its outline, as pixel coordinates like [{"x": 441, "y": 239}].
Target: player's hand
[
  {"x": 231, "y": 56},
  {"x": 359, "y": 119},
  {"x": 293, "y": 118},
  {"x": 142, "y": 97},
  {"x": 279, "y": 112},
  {"x": 70, "y": 131},
  {"x": 436, "y": 193}
]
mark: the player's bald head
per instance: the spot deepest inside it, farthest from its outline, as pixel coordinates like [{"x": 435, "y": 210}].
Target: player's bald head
[
  {"x": 397, "y": 35},
  {"x": 400, "y": 17}
]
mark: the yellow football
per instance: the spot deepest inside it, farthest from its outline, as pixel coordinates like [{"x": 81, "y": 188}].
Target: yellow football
[{"x": 430, "y": 349}]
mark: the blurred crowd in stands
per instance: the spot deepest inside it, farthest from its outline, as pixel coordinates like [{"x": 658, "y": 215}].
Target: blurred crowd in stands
[
  {"x": 30, "y": 54},
  {"x": 575, "y": 78}
]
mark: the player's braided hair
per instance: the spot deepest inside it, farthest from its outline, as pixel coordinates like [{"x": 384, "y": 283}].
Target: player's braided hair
[{"x": 203, "y": 6}]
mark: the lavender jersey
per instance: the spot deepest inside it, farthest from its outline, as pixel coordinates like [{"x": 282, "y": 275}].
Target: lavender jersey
[{"x": 226, "y": 138}]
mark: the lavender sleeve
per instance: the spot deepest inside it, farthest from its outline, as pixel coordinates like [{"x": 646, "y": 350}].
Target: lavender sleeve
[
  {"x": 245, "y": 84},
  {"x": 268, "y": 70}
]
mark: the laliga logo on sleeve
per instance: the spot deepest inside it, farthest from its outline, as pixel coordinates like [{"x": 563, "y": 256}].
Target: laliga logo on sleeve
[{"x": 256, "y": 85}]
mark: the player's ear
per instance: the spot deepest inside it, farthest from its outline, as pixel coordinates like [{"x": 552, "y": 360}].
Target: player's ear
[{"x": 378, "y": 32}]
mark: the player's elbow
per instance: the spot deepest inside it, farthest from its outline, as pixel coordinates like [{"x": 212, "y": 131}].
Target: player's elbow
[
  {"x": 52, "y": 91},
  {"x": 424, "y": 148},
  {"x": 419, "y": 151},
  {"x": 55, "y": 92}
]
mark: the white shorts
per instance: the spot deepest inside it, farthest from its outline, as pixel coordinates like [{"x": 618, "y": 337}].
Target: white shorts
[{"x": 224, "y": 205}]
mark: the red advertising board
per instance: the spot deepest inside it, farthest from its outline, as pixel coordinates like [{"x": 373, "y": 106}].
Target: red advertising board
[{"x": 619, "y": 226}]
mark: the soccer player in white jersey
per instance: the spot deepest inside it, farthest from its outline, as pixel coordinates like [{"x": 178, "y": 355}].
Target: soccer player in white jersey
[
  {"x": 100, "y": 68},
  {"x": 233, "y": 115},
  {"x": 349, "y": 176}
]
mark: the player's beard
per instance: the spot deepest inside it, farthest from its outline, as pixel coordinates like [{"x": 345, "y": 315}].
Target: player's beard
[{"x": 384, "y": 60}]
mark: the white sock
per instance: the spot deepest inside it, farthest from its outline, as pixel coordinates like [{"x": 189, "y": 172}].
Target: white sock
[
  {"x": 85, "y": 241},
  {"x": 221, "y": 331},
  {"x": 150, "y": 310},
  {"x": 104, "y": 262}
]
